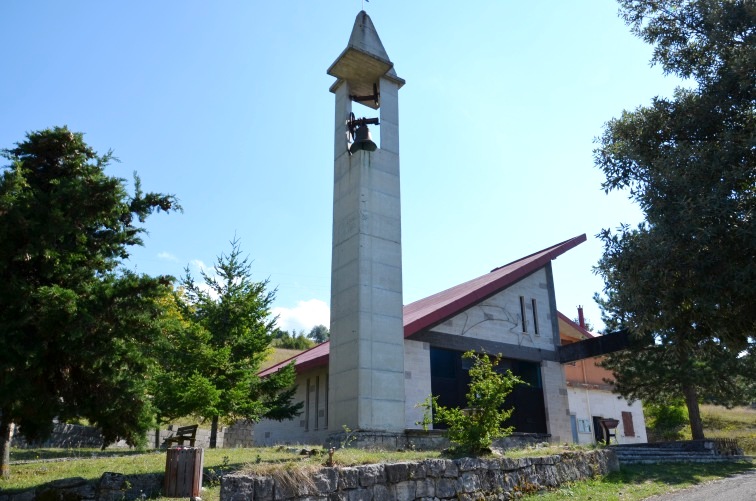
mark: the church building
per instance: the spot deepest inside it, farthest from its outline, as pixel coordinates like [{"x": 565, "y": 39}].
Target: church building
[{"x": 384, "y": 357}]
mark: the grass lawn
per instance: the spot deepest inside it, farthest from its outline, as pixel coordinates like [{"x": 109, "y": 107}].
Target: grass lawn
[
  {"x": 634, "y": 482},
  {"x": 738, "y": 423},
  {"x": 92, "y": 463}
]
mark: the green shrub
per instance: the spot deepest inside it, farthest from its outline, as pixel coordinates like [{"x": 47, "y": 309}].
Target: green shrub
[
  {"x": 474, "y": 429},
  {"x": 666, "y": 422}
]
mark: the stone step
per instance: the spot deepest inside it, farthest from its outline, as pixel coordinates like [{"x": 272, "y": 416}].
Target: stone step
[
  {"x": 662, "y": 452},
  {"x": 690, "y": 459}
]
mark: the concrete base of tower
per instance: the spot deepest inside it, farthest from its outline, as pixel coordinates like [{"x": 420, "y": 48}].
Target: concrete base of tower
[{"x": 421, "y": 440}]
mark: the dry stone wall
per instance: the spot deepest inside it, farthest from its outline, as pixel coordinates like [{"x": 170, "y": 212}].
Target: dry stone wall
[
  {"x": 431, "y": 479},
  {"x": 72, "y": 436}
]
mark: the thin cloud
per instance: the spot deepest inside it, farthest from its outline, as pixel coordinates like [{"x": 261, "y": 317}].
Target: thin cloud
[
  {"x": 304, "y": 316},
  {"x": 167, "y": 256}
]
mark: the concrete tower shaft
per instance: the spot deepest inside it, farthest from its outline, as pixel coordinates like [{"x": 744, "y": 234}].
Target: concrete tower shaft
[{"x": 366, "y": 363}]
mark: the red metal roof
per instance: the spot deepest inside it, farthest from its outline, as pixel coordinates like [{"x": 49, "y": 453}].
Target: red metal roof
[
  {"x": 433, "y": 310},
  {"x": 314, "y": 357}
]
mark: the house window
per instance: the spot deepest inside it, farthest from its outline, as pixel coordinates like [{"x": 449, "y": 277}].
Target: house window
[
  {"x": 535, "y": 316},
  {"x": 522, "y": 314},
  {"x": 627, "y": 424},
  {"x": 584, "y": 425}
]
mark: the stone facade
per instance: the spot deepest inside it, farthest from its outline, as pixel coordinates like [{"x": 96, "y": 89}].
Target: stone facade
[
  {"x": 466, "y": 478},
  {"x": 417, "y": 381}
]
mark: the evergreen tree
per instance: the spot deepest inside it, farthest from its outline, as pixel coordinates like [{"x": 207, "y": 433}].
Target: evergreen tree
[
  {"x": 76, "y": 332},
  {"x": 684, "y": 281},
  {"x": 232, "y": 329}
]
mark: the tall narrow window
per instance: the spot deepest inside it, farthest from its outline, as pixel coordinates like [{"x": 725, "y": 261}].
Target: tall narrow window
[
  {"x": 522, "y": 314},
  {"x": 317, "y": 400},
  {"x": 307, "y": 405},
  {"x": 325, "y": 404},
  {"x": 535, "y": 316}
]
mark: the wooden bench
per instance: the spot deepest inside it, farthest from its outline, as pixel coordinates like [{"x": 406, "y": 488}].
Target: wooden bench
[{"x": 183, "y": 433}]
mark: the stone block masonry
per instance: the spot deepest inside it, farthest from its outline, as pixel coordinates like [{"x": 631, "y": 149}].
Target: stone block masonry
[
  {"x": 65, "y": 436},
  {"x": 465, "y": 478}
]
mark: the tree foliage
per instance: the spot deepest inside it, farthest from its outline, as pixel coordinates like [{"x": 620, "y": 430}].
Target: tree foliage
[
  {"x": 213, "y": 370},
  {"x": 665, "y": 421},
  {"x": 474, "y": 429},
  {"x": 319, "y": 334},
  {"x": 76, "y": 331},
  {"x": 291, "y": 341},
  {"x": 683, "y": 282}
]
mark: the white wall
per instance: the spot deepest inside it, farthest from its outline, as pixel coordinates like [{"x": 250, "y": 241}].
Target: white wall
[
  {"x": 586, "y": 403},
  {"x": 417, "y": 380},
  {"x": 499, "y": 318},
  {"x": 307, "y": 428},
  {"x": 557, "y": 403}
]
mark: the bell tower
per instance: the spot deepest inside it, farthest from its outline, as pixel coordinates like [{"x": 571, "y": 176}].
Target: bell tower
[{"x": 366, "y": 362}]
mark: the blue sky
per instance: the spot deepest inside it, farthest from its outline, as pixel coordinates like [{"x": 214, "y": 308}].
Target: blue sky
[{"x": 226, "y": 105}]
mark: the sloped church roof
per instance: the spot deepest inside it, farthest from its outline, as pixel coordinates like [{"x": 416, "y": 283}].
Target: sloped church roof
[{"x": 435, "y": 309}]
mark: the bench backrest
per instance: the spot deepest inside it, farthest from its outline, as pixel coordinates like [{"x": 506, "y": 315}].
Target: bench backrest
[{"x": 187, "y": 430}]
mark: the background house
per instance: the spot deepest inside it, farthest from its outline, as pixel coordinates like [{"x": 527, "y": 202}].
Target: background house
[{"x": 591, "y": 398}]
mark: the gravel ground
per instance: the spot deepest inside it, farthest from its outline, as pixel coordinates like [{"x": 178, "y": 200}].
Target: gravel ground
[{"x": 741, "y": 487}]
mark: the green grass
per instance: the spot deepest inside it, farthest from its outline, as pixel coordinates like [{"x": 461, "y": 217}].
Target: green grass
[
  {"x": 635, "y": 482},
  {"x": 738, "y": 423},
  {"x": 92, "y": 463}
]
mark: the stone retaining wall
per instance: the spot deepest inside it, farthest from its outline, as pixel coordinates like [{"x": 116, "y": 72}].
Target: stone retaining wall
[
  {"x": 110, "y": 487},
  {"x": 430, "y": 479},
  {"x": 72, "y": 436}
]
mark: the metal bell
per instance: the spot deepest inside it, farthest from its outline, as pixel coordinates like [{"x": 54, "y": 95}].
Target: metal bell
[{"x": 362, "y": 140}]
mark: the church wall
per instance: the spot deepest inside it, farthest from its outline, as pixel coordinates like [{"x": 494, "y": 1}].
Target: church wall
[
  {"x": 499, "y": 318},
  {"x": 557, "y": 404},
  {"x": 417, "y": 381},
  {"x": 311, "y": 426}
]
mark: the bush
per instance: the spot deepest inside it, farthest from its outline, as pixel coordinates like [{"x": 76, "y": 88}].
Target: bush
[
  {"x": 666, "y": 422},
  {"x": 474, "y": 429}
]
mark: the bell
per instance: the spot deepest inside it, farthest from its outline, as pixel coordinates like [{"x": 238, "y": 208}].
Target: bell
[{"x": 362, "y": 140}]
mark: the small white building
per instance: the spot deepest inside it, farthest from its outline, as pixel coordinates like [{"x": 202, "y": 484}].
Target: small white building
[{"x": 591, "y": 399}]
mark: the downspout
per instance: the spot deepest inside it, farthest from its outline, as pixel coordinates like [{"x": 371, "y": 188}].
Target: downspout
[
  {"x": 587, "y": 400},
  {"x": 581, "y": 320}
]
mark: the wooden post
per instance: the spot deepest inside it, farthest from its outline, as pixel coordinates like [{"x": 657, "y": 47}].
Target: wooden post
[{"x": 183, "y": 472}]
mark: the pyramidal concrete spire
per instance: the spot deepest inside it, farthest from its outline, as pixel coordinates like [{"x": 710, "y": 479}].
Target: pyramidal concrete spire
[
  {"x": 364, "y": 61},
  {"x": 366, "y": 39}
]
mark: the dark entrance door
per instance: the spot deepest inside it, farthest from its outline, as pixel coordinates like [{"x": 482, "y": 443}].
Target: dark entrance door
[
  {"x": 598, "y": 430},
  {"x": 450, "y": 380}
]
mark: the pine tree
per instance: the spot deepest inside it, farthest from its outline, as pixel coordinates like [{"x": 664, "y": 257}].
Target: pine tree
[
  {"x": 229, "y": 338},
  {"x": 76, "y": 332},
  {"x": 684, "y": 281}
]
